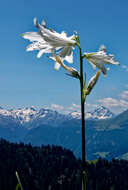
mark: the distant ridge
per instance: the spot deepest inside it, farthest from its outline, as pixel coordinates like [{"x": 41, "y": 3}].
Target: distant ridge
[
  {"x": 100, "y": 112},
  {"x": 106, "y": 134},
  {"x": 32, "y": 117}
]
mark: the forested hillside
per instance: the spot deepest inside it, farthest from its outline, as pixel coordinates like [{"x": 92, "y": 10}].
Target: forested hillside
[
  {"x": 106, "y": 138},
  {"x": 55, "y": 168}
]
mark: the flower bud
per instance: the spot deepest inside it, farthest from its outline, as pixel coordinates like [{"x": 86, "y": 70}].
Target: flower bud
[
  {"x": 92, "y": 83},
  {"x": 71, "y": 71}
]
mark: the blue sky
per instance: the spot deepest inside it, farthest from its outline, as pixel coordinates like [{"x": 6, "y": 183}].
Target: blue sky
[{"x": 28, "y": 81}]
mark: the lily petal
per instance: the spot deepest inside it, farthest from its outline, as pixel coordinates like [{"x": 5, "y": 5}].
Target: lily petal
[
  {"x": 71, "y": 71},
  {"x": 43, "y": 23},
  {"x": 63, "y": 34},
  {"x": 32, "y": 36},
  {"x": 37, "y": 46},
  {"x": 54, "y": 36},
  {"x": 47, "y": 40},
  {"x": 102, "y": 49},
  {"x": 42, "y": 51},
  {"x": 98, "y": 59},
  {"x": 99, "y": 65},
  {"x": 33, "y": 46},
  {"x": 67, "y": 54},
  {"x": 93, "y": 65},
  {"x": 57, "y": 66},
  {"x": 69, "y": 59}
]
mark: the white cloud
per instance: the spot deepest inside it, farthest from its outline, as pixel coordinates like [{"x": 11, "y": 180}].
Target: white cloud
[
  {"x": 116, "y": 105},
  {"x": 77, "y": 107},
  {"x": 67, "y": 109},
  {"x": 124, "y": 94},
  {"x": 111, "y": 102},
  {"x": 125, "y": 67},
  {"x": 74, "y": 107},
  {"x": 91, "y": 106},
  {"x": 56, "y": 107}
]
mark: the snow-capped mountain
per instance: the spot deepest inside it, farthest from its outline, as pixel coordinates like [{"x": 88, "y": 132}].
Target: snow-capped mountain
[
  {"x": 50, "y": 127},
  {"x": 21, "y": 115},
  {"x": 100, "y": 112},
  {"x": 32, "y": 117},
  {"x": 75, "y": 115}
]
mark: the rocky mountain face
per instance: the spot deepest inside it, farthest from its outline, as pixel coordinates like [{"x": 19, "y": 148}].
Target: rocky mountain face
[
  {"x": 100, "y": 112},
  {"x": 106, "y": 134},
  {"x": 31, "y": 117}
]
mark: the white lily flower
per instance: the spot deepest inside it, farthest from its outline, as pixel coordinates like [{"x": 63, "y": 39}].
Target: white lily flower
[
  {"x": 58, "y": 62},
  {"x": 97, "y": 59},
  {"x": 92, "y": 83},
  {"x": 47, "y": 40}
]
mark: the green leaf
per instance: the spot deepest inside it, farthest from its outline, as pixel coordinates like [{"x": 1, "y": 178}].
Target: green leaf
[
  {"x": 84, "y": 82},
  {"x": 17, "y": 186},
  {"x": 83, "y": 91}
]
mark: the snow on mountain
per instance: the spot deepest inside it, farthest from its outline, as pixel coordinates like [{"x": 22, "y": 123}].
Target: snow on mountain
[
  {"x": 4, "y": 112},
  {"x": 24, "y": 115},
  {"x": 75, "y": 115},
  {"x": 33, "y": 117},
  {"x": 21, "y": 115},
  {"x": 100, "y": 112}
]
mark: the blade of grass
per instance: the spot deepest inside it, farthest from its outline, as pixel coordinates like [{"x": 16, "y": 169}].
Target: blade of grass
[{"x": 19, "y": 185}]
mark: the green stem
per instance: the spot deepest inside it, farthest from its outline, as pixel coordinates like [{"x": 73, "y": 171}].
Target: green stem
[
  {"x": 84, "y": 177},
  {"x": 19, "y": 182}
]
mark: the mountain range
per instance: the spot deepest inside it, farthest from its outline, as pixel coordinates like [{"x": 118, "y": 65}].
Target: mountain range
[
  {"x": 106, "y": 133},
  {"x": 32, "y": 117}
]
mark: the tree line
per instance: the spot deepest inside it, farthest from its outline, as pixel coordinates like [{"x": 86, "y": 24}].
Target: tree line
[{"x": 56, "y": 168}]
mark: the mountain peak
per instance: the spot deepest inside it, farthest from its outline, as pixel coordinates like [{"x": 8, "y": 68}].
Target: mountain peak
[
  {"x": 100, "y": 112},
  {"x": 34, "y": 117}
]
